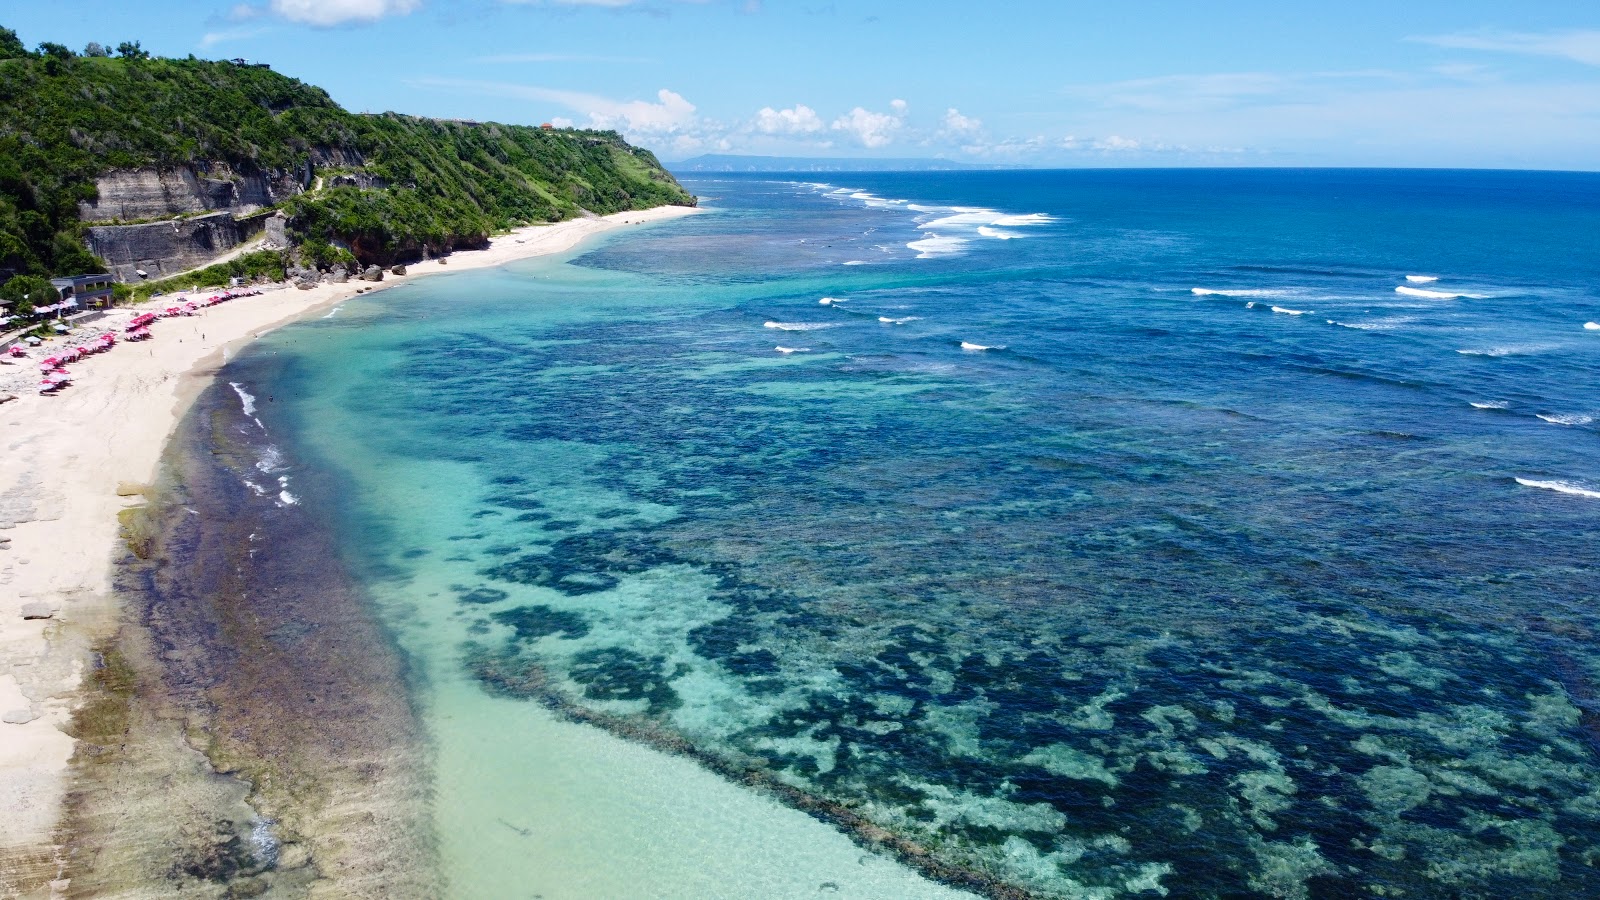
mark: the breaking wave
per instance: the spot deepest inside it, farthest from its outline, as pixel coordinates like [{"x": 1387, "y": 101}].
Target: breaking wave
[
  {"x": 799, "y": 326},
  {"x": 1238, "y": 292},
  {"x": 1564, "y": 487},
  {"x": 1438, "y": 295}
]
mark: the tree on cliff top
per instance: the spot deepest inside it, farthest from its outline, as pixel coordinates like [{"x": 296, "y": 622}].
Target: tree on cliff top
[{"x": 11, "y": 46}]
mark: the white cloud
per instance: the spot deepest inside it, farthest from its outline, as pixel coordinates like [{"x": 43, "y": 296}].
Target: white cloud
[
  {"x": 1577, "y": 45},
  {"x": 956, "y": 123},
  {"x": 872, "y": 129},
  {"x": 327, "y": 13},
  {"x": 1118, "y": 143},
  {"x": 213, "y": 38},
  {"x": 801, "y": 119},
  {"x": 671, "y": 113}
]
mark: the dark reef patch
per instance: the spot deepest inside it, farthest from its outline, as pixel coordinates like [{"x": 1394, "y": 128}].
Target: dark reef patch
[{"x": 537, "y": 621}]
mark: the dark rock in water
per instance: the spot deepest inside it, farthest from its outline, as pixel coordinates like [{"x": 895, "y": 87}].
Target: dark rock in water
[
  {"x": 547, "y": 570},
  {"x": 479, "y": 594},
  {"x": 561, "y": 524},
  {"x": 615, "y": 673},
  {"x": 485, "y": 513},
  {"x": 514, "y": 502},
  {"x": 537, "y": 621},
  {"x": 502, "y": 550},
  {"x": 415, "y": 553},
  {"x": 534, "y": 516},
  {"x": 220, "y": 856}
]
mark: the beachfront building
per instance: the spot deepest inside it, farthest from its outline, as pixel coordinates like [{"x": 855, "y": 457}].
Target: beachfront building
[{"x": 85, "y": 290}]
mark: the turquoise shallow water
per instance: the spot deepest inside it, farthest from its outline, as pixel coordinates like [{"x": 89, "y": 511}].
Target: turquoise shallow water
[{"x": 1217, "y": 533}]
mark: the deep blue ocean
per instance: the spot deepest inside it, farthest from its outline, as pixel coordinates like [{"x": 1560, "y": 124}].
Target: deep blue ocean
[{"x": 1097, "y": 533}]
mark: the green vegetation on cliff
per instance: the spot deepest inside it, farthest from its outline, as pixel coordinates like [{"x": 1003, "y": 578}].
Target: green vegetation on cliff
[{"x": 405, "y": 185}]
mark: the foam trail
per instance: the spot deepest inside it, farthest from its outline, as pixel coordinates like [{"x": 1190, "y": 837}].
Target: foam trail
[
  {"x": 332, "y": 311},
  {"x": 829, "y": 301},
  {"x": 246, "y": 399},
  {"x": 1422, "y": 279},
  {"x": 968, "y": 345},
  {"x": 1289, "y": 312},
  {"x": 1492, "y": 404},
  {"x": 936, "y": 245},
  {"x": 787, "y": 350},
  {"x": 799, "y": 326},
  {"x": 855, "y": 262},
  {"x": 1024, "y": 219},
  {"x": 900, "y": 321},
  {"x": 271, "y": 460},
  {"x": 1569, "y": 419},
  {"x": 1565, "y": 487},
  {"x": 1591, "y": 326},
  {"x": 1238, "y": 292},
  {"x": 1437, "y": 295},
  {"x": 989, "y": 232}
]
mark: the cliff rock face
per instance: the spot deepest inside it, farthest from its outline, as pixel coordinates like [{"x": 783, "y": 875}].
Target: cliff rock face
[
  {"x": 164, "y": 248},
  {"x": 154, "y": 193}
]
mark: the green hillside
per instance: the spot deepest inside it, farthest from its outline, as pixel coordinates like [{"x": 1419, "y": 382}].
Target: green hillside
[{"x": 66, "y": 118}]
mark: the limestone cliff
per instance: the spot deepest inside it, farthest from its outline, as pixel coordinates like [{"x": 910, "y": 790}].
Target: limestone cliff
[{"x": 152, "y": 193}]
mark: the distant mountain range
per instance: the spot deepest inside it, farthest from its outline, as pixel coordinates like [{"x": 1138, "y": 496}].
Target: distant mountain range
[{"x": 724, "y": 162}]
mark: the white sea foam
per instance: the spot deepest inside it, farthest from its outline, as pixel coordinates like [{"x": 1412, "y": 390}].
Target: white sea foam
[
  {"x": 855, "y": 262},
  {"x": 792, "y": 349},
  {"x": 1238, "y": 292},
  {"x": 1509, "y": 350},
  {"x": 246, "y": 399},
  {"x": 1438, "y": 295},
  {"x": 1421, "y": 279},
  {"x": 990, "y": 232},
  {"x": 1387, "y": 324},
  {"x": 935, "y": 245},
  {"x": 829, "y": 301},
  {"x": 947, "y": 229},
  {"x": 968, "y": 345},
  {"x": 271, "y": 460},
  {"x": 1491, "y": 404},
  {"x": 256, "y": 489},
  {"x": 1025, "y": 219},
  {"x": 1591, "y": 326},
  {"x": 900, "y": 321},
  {"x": 1565, "y": 487},
  {"x": 332, "y": 311},
  {"x": 288, "y": 499},
  {"x": 1566, "y": 418},
  {"x": 799, "y": 326},
  {"x": 1289, "y": 312}
]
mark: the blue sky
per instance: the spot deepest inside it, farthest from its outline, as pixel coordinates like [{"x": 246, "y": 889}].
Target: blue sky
[{"x": 1131, "y": 83}]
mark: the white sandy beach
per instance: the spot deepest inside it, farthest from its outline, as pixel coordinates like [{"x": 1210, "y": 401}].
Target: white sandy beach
[{"x": 66, "y": 456}]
